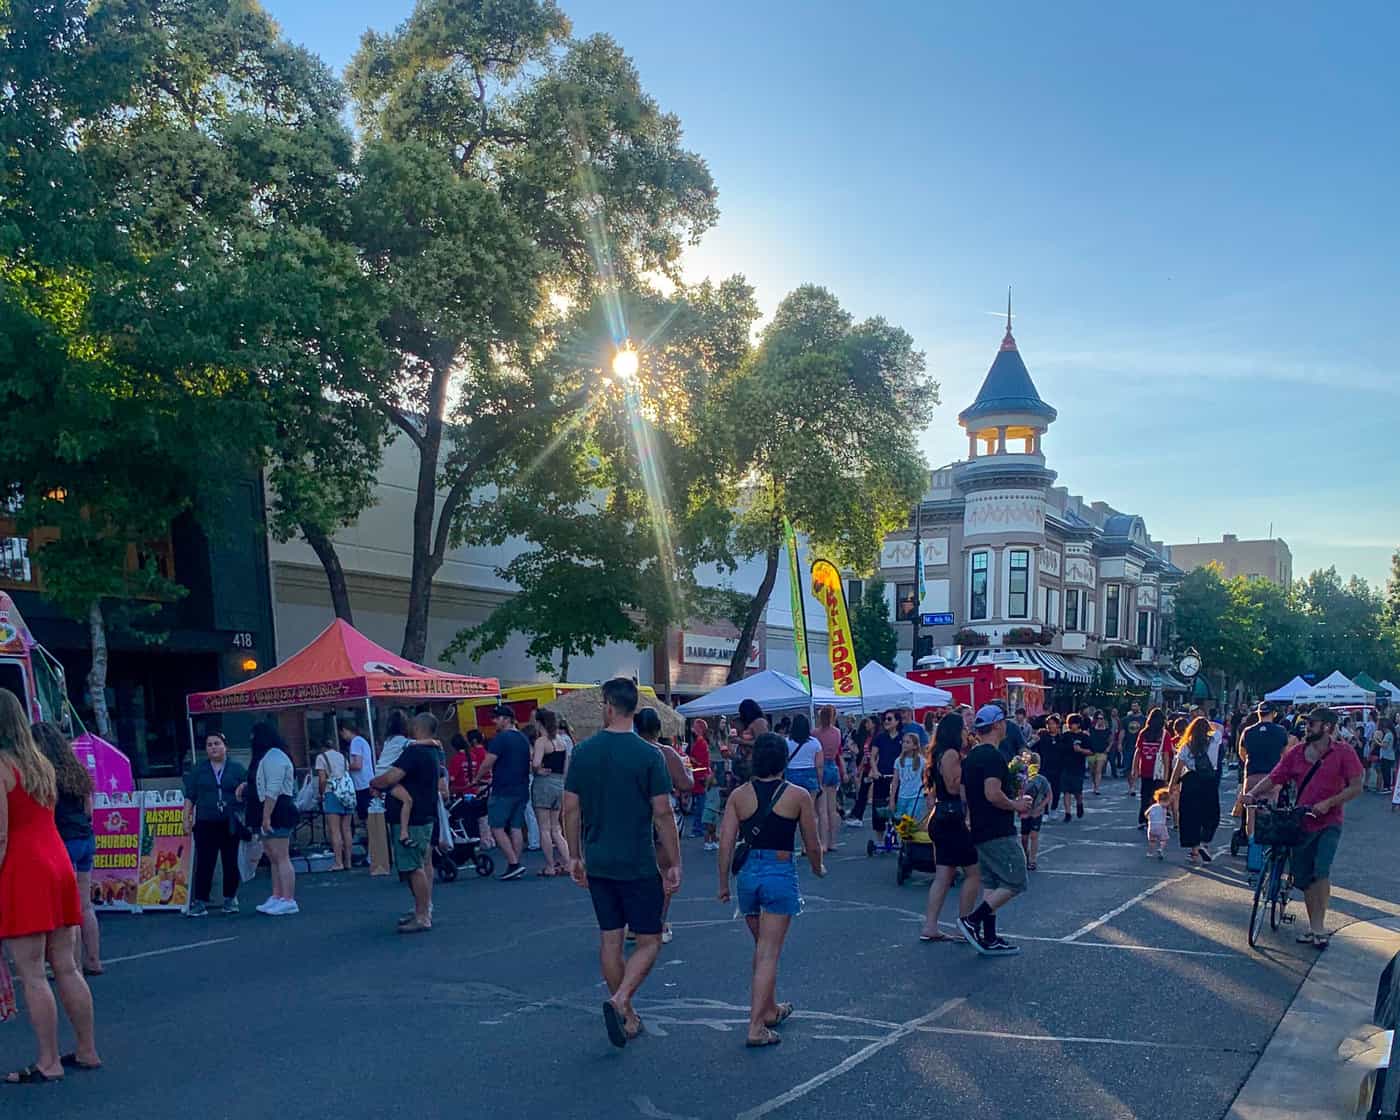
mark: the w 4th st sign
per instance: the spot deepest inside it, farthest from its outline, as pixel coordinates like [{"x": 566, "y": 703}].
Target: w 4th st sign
[{"x": 827, "y": 589}]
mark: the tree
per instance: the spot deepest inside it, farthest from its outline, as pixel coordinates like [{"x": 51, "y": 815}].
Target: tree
[
  {"x": 871, "y": 630},
  {"x": 639, "y": 495},
  {"x": 1211, "y": 615},
  {"x": 824, "y": 416},
  {"x": 1345, "y": 624},
  {"x": 174, "y": 275},
  {"x": 503, "y": 161}
]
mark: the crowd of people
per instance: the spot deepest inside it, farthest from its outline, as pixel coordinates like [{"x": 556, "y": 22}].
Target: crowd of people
[{"x": 611, "y": 811}]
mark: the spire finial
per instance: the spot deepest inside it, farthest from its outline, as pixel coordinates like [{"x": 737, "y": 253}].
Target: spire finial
[{"x": 1008, "y": 309}]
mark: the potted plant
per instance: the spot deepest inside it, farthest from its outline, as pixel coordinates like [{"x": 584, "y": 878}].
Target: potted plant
[
  {"x": 1047, "y": 635},
  {"x": 1021, "y": 636},
  {"x": 970, "y": 637}
]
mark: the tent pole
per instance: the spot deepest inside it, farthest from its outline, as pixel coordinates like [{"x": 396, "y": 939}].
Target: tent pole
[
  {"x": 369, "y": 725},
  {"x": 194, "y": 760}
]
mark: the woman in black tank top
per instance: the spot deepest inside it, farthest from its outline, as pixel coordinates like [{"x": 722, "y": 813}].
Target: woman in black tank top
[
  {"x": 765, "y": 813},
  {"x": 952, "y": 842}
]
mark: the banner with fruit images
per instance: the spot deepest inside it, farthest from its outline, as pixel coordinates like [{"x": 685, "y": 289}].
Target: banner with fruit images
[{"x": 166, "y": 852}]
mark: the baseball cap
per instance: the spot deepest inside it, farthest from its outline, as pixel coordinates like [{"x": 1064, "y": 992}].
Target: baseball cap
[
  {"x": 1322, "y": 715},
  {"x": 503, "y": 710},
  {"x": 987, "y": 715}
]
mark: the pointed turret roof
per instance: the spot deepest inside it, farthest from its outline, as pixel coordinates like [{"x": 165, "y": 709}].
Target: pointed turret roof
[{"x": 1007, "y": 388}]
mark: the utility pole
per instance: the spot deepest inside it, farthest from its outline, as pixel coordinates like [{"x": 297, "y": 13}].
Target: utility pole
[{"x": 918, "y": 580}]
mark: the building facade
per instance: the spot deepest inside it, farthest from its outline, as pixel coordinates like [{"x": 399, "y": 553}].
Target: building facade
[
  {"x": 1269, "y": 559},
  {"x": 1019, "y": 569},
  {"x": 376, "y": 554}
]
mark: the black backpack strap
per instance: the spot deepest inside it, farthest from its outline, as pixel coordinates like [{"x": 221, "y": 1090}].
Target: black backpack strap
[{"x": 754, "y": 824}]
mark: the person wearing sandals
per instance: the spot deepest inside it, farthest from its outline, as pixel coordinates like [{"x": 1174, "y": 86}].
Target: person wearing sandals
[
  {"x": 1195, "y": 788},
  {"x": 549, "y": 761},
  {"x": 415, "y": 773},
  {"x": 767, "y": 811},
  {"x": 332, "y": 775},
  {"x": 39, "y": 906},
  {"x": 1326, "y": 774},
  {"x": 72, "y": 813},
  {"x": 647, "y": 724},
  {"x": 953, "y": 850}
]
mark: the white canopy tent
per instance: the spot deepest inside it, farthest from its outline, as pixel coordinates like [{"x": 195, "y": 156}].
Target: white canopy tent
[
  {"x": 1392, "y": 691},
  {"x": 882, "y": 688},
  {"x": 1287, "y": 693},
  {"x": 772, "y": 691},
  {"x": 1335, "y": 690}
]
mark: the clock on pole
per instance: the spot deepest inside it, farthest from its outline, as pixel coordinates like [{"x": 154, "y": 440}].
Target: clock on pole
[{"x": 1190, "y": 663}]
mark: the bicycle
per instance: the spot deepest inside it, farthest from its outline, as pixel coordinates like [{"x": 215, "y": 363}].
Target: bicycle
[{"x": 1280, "y": 829}]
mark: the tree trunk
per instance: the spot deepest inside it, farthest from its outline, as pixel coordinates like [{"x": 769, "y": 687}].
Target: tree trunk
[
  {"x": 97, "y": 674},
  {"x": 324, "y": 548},
  {"x": 739, "y": 662},
  {"x": 425, "y": 561},
  {"x": 564, "y": 665}
]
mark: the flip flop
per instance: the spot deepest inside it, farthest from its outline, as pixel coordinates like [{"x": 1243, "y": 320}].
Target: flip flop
[
  {"x": 1307, "y": 937},
  {"x": 1322, "y": 940},
  {"x": 414, "y": 927},
  {"x": 768, "y": 1039},
  {"x": 617, "y": 1030},
  {"x": 70, "y": 1061},
  {"x": 637, "y": 1031},
  {"x": 784, "y": 1012},
  {"x": 939, "y": 936},
  {"x": 31, "y": 1076}
]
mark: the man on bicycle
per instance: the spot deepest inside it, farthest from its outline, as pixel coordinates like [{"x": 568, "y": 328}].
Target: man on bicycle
[{"x": 1327, "y": 775}]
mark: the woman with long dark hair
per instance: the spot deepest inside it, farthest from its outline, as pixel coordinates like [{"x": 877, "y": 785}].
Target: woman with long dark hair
[
  {"x": 39, "y": 906},
  {"x": 861, "y": 738},
  {"x": 952, "y": 841},
  {"x": 274, "y": 785},
  {"x": 72, "y": 813},
  {"x": 1150, "y": 767},
  {"x": 549, "y": 762},
  {"x": 1195, "y": 782}
]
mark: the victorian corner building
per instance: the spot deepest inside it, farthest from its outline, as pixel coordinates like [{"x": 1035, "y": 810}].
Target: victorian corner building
[{"x": 1019, "y": 570}]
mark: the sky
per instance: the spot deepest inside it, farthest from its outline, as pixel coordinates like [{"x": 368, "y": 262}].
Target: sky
[{"x": 1194, "y": 204}]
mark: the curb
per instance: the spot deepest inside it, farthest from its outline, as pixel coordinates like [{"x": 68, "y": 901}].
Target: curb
[{"x": 1325, "y": 1047}]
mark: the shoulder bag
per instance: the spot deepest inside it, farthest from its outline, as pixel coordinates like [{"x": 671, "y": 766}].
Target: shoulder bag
[
  {"x": 749, "y": 831},
  {"x": 341, "y": 785}
]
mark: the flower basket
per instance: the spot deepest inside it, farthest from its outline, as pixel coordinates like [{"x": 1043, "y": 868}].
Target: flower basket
[
  {"x": 1047, "y": 635},
  {"x": 1021, "y": 636},
  {"x": 969, "y": 637}
]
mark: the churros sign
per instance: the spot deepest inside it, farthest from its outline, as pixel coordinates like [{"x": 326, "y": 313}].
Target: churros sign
[{"x": 827, "y": 589}]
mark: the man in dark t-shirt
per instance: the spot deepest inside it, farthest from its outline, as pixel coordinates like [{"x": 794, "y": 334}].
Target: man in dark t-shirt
[
  {"x": 507, "y": 766},
  {"x": 617, "y": 794},
  {"x": 1075, "y": 749},
  {"x": 986, "y": 781},
  {"x": 417, "y": 772}
]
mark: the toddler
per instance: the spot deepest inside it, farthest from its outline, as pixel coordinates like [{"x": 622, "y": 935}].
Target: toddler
[{"x": 1157, "y": 834}]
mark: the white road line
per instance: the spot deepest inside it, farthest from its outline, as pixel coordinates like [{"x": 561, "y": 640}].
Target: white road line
[
  {"x": 1013, "y": 1037},
  {"x": 646, "y": 1108},
  {"x": 171, "y": 949},
  {"x": 1141, "y": 896},
  {"x": 864, "y": 1054}
]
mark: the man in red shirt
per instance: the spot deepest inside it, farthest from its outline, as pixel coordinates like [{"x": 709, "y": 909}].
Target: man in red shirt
[
  {"x": 1327, "y": 774},
  {"x": 700, "y": 767}
]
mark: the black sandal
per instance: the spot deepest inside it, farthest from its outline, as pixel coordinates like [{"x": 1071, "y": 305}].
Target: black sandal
[
  {"x": 784, "y": 1011},
  {"x": 612, "y": 1020},
  {"x": 31, "y": 1076},
  {"x": 70, "y": 1061}
]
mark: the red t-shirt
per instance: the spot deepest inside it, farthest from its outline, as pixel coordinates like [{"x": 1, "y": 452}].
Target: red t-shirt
[
  {"x": 1340, "y": 767},
  {"x": 462, "y": 770},
  {"x": 1147, "y": 750},
  {"x": 700, "y": 761}
]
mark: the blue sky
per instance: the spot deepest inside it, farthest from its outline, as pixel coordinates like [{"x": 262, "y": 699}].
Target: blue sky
[{"x": 1195, "y": 204}]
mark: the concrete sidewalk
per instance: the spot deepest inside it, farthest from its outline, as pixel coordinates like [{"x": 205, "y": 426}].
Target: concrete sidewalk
[{"x": 1317, "y": 1060}]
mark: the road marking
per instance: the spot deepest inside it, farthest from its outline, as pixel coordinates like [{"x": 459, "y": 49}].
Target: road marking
[
  {"x": 1142, "y": 1043},
  {"x": 864, "y": 1054},
  {"x": 646, "y": 1108},
  {"x": 171, "y": 949},
  {"x": 1141, "y": 896}
]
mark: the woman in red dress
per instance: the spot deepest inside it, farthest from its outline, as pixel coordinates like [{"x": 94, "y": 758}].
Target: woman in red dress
[{"x": 39, "y": 906}]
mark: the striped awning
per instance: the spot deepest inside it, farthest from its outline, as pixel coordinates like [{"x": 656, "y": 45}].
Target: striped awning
[
  {"x": 1166, "y": 681},
  {"x": 1129, "y": 674},
  {"x": 1055, "y": 666}
]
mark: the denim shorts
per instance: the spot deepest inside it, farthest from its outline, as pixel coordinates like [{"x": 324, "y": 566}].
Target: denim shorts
[
  {"x": 332, "y": 806},
  {"x": 506, "y": 810},
  {"x": 768, "y": 885},
  {"x": 807, "y": 779},
  {"x": 81, "y": 853},
  {"x": 276, "y": 834},
  {"x": 831, "y": 775}
]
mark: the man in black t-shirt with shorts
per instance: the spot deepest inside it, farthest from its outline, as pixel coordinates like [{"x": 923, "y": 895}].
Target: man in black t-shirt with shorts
[{"x": 985, "y": 782}]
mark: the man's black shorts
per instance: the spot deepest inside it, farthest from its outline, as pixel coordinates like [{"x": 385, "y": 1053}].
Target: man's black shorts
[
  {"x": 634, "y": 903},
  {"x": 362, "y": 799}
]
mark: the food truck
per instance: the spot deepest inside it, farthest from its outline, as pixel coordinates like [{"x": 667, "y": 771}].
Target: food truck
[
  {"x": 524, "y": 699},
  {"x": 1020, "y": 685},
  {"x": 27, "y": 669}
]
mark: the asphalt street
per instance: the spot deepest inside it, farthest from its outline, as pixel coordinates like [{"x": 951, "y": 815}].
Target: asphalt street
[{"x": 1136, "y": 996}]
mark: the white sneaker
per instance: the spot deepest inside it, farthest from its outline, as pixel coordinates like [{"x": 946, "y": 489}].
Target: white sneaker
[
  {"x": 711, "y": 846},
  {"x": 666, "y": 936},
  {"x": 270, "y": 905},
  {"x": 285, "y": 906}
]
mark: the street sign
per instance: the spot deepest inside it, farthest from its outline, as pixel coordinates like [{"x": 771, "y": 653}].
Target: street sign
[{"x": 944, "y": 618}]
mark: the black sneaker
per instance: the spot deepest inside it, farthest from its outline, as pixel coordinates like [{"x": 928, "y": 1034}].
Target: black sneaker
[
  {"x": 974, "y": 934},
  {"x": 1002, "y": 948},
  {"x": 1079, "y": 812},
  {"x": 197, "y": 910},
  {"x": 1068, "y": 818},
  {"x": 513, "y": 871},
  {"x": 1206, "y": 856}
]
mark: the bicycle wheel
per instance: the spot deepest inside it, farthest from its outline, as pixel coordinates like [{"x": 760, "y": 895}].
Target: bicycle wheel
[
  {"x": 1261, "y": 898},
  {"x": 1279, "y": 913},
  {"x": 1277, "y": 901}
]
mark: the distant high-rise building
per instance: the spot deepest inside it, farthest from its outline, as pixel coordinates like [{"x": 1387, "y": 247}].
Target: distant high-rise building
[{"x": 1269, "y": 559}]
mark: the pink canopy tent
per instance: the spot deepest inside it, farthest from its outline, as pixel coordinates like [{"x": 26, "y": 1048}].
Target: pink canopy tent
[{"x": 340, "y": 667}]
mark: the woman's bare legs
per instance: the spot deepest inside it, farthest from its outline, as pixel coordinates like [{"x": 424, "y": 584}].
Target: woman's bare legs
[
  {"x": 769, "y": 931},
  {"x": 73, "y": 991},
  {"x": 87, "y": 950},
  {"x": 337, "y": 840},
  {"x": 548, "y": 820}
]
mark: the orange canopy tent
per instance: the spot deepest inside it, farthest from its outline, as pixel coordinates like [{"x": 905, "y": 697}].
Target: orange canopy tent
[{"x": 341, "y": 666}]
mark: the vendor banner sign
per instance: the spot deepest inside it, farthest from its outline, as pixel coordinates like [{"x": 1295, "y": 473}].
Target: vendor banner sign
[
  {"x": 116, "y": 826},
  {"x": 166, "y": 852},
  {"x": 828, "y": 590}
]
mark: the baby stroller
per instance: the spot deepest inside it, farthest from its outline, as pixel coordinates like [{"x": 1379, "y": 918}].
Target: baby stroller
[{"x": 463, "y": 815}]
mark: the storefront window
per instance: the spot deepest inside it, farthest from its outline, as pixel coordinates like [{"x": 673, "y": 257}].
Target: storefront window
[
  {"x": 977, "y": 607},
  {"x": 1071, "y": 609},
  {"x": 1019, "y": 599},
  {"x": 906, "y": 606}
]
